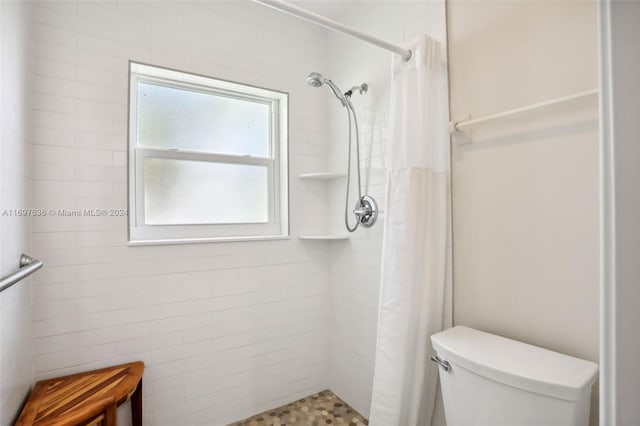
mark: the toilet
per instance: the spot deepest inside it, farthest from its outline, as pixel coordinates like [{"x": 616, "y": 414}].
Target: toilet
[{"x": 488, "y": 380}]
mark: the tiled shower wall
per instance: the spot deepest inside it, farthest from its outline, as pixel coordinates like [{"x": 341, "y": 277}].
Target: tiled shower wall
[
  {"x": 355, "y": 272},
  {"x": 228, "y": 329},
  {"x": 15, "y": 303}
]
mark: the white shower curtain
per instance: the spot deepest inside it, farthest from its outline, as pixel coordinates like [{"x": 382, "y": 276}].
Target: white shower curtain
[{"x": 415, "y": 287}]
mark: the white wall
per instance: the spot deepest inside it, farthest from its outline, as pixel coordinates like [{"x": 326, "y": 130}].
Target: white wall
[
  {"x": 15, "y": 303},
  {"x": 226, "y": 330},
  {"x": 355, "y": 273},
  {"x": 16, "y": 371},
  {"x": 525, "y": 193},
  {"x": 620, "y": 86}
]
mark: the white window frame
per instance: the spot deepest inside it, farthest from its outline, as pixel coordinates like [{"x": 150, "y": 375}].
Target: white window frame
[{"x": 277, "y": 226}]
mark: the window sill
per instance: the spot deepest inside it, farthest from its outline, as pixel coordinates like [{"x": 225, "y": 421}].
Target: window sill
[{"x": 207, "y": 240}]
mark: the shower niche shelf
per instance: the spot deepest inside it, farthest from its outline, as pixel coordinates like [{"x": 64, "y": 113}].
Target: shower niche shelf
[
  {"x": 323, "y": 175},
  {"x": 324, "y": 237}
]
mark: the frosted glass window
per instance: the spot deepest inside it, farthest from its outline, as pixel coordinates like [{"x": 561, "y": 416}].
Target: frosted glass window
[
  {"x": 177, "y": 118},
  {"x": 197, "y": 192},
  {"x": 207, "y": 159}
]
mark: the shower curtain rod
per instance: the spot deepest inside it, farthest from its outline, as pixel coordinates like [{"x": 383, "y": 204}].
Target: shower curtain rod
[{"x": 299, "y": 12}]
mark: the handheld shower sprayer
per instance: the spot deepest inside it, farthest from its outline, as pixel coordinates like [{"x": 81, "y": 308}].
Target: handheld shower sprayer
[
  {"x": 316, "y": 79},
  {"x": 366, "y": 209}
]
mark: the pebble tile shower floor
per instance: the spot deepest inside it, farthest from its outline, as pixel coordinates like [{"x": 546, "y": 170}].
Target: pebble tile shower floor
[{"x": 323, "y": 408}]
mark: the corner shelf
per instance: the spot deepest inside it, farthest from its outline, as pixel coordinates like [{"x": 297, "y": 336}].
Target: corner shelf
[
  {"x": 323, "y": 175},
  {"x": 324, "y": 237}
]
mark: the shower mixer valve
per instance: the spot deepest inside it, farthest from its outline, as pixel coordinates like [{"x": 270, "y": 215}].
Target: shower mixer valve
[{"x": 366, "y": 211}]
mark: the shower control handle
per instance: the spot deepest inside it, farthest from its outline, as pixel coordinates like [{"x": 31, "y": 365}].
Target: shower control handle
[
  {"x": 362, "y": 211},
  {"x": 366, "y": 210}
]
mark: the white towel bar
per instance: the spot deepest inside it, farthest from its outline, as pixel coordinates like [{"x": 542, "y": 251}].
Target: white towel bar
[{"x": 456, "y": 127}]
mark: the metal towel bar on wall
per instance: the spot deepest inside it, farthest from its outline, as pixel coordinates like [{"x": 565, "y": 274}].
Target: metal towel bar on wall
[{"x": 28, "y": 265}]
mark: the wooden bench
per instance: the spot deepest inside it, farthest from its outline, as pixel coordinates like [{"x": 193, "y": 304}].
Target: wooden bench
[{"x": 89, "y": 398}]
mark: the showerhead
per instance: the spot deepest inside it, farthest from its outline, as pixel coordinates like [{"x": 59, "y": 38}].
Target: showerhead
[
  {"x": 362, "y": 89},
  {"x": 315, "y": 79}
]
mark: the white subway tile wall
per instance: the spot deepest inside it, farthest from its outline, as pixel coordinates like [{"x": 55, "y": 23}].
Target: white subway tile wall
[
  {"x": 15, "y": 189},
  {"x": 226, "y": 330}
]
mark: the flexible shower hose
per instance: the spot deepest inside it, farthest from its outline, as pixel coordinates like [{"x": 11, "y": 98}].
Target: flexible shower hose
[{"x": 350, "y": 110}]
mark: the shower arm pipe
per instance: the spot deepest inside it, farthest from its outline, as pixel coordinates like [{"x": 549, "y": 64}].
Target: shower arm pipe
[{"x": 299, "y": 12}]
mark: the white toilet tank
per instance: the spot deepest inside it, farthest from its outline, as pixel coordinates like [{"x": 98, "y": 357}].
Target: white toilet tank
[{"x": 494, "y": 381}]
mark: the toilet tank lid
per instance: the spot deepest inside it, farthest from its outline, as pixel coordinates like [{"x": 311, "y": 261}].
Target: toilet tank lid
[{"x": 515, "y": 363}]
